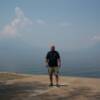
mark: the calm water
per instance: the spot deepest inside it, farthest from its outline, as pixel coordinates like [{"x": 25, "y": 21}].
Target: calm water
[
  {"x": 95, "y": 74},
  {"x": 44, "y": 70}
]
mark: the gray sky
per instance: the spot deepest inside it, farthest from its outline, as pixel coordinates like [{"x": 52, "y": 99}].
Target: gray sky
[{"x": 71, "y": 25}]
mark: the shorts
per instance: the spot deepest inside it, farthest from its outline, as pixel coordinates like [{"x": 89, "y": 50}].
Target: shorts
[{"x": 54, "y": 70}]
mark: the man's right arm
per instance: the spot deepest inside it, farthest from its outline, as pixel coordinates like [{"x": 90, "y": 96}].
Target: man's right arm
[{"x": 46, "y": 59}]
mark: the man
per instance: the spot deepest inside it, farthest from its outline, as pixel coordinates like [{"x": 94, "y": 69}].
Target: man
[{"x": 53, "y": 62}]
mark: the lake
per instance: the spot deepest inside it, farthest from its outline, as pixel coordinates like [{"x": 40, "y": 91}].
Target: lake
[{"x": 44, "y": 70}]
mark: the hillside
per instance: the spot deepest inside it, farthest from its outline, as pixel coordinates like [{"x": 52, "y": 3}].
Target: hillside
[{"x": 35, "y": 87}]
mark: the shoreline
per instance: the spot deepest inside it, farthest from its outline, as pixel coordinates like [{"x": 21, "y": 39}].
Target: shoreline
[{"x": 27, "y": 74}]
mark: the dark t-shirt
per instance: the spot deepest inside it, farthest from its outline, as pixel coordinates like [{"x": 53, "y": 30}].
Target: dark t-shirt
[{"x": 52, "y": 57}]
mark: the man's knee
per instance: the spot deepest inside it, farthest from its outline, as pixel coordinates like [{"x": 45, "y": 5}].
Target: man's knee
[{"x": 51, "y": 74}]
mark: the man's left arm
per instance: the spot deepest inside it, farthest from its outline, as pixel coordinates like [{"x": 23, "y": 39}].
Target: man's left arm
[{"x": 59, "y": 60}]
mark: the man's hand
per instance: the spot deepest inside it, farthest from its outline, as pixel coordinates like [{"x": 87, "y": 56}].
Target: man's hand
[
  {"x": 46, "y": 64},
  {"x": 59, "y": 63}
]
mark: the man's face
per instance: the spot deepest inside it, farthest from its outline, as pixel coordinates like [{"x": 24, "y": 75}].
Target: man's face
[{"x": 53, "y": 48}]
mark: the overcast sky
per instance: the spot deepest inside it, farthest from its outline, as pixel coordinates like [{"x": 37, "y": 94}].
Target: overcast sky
[{"x": 69, "y": 24}]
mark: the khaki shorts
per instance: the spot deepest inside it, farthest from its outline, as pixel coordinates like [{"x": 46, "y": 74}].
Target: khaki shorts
[{"x": 54, "y": 70}]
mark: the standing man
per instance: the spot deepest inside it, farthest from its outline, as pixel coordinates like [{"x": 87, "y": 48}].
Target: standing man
[{"x": 53, "y": 62}]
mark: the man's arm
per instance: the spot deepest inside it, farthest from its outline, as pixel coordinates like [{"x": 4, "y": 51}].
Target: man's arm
[
  {"x": 46, "y": 60},
  {"x": 59, "y": 60}
]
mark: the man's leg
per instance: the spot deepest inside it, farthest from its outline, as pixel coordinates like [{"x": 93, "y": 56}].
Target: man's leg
[
  {"x": 57, "y": 79},
  {"x": 50, "y": 76},
  {"x": 51, "y": 79},
  {"x": 57, "y": 75}
]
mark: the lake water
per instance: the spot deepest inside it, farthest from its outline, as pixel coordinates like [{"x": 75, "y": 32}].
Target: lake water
[
  {"x": 44, "y": 70},
  {"x": 95, "y": 74}
]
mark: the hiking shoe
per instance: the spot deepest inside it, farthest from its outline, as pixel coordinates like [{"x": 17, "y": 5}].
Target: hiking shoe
[
  {"x": 57, "y": 85},
  {"x": 51, "y": 84}
]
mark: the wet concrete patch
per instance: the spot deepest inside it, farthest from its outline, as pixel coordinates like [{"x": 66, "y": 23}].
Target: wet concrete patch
[
  {"x": 24, "y": 89},
  {"x": 70, "y": 93}
]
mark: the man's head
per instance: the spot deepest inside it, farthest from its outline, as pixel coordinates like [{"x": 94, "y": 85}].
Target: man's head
[{"x": 53, "y": 48}]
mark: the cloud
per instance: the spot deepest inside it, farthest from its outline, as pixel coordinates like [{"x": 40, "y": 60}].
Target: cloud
[
  {"x": 19, "y": 22},
  {"x": 40, "y": 22}
]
